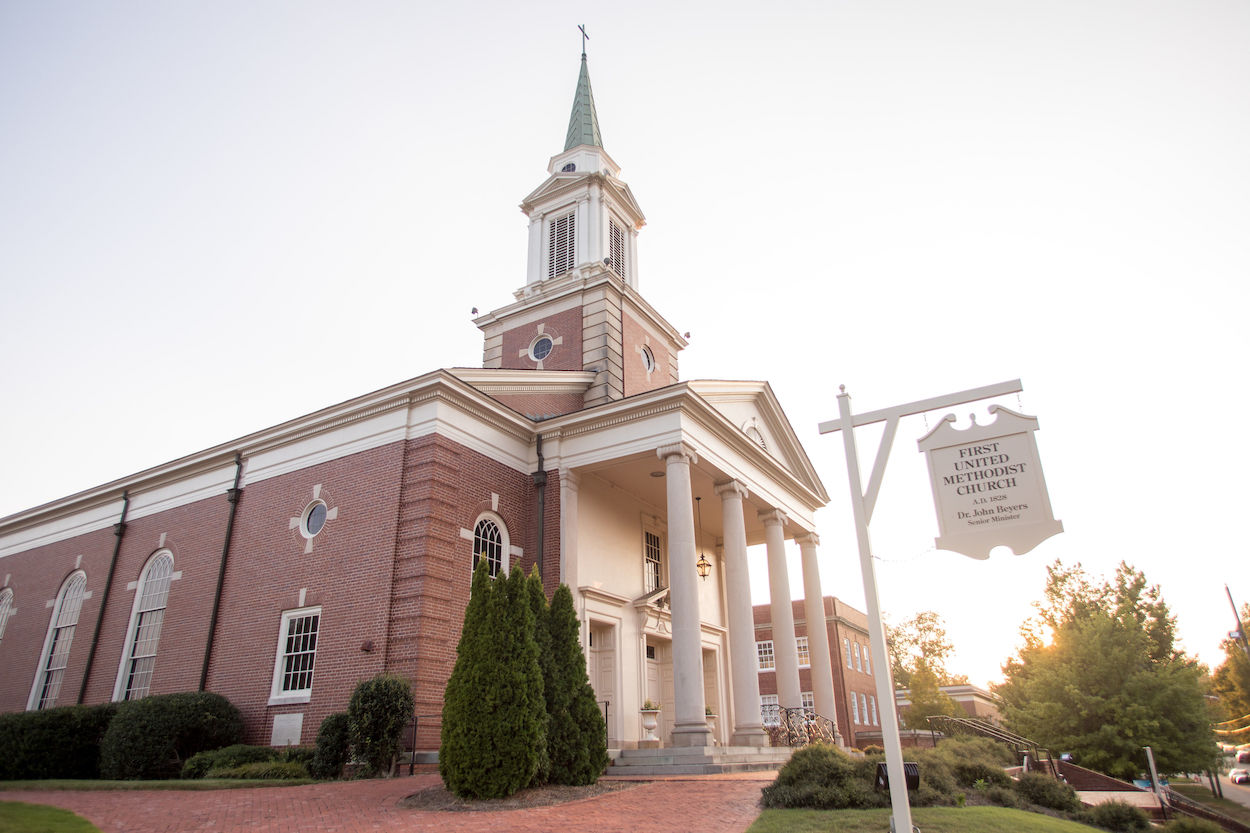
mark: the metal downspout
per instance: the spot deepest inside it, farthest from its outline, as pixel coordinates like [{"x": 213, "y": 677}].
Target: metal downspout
[
  {"x": 233, "y": 496},
  {"x": 540, "y": 481},
  {"x": 119, "y": 529}
]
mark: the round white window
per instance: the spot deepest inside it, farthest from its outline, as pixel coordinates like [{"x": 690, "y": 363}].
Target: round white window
[
  {"x": 648, "y": 360},
  {"x": 541, "y": 348},
  {"x": 314, "y": 519}
]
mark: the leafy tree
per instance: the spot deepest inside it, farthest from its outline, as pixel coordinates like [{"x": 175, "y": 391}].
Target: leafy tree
[
  {"x": 927, "y": 699},
  {"x": 577, "y": 743},
  {"x": 920, "y": 640},
  {"x": 1231, "y": 681},
  {"x": 1099, "y": 676}
]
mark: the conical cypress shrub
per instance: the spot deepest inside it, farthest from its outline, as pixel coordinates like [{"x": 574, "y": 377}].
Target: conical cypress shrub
[
  {"x": 542, "y": 641},
  {"x": 576, "y": 743},
  {"x": 466, "y": 735}
]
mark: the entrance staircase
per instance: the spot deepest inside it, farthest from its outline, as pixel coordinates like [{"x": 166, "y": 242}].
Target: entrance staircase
[{"x": 698, "y": 760}]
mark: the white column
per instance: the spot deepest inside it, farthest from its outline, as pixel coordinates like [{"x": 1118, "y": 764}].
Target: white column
[
  {"x": 534, "y": 264},
  {"x": 744, "y": 674},
  {"x": 817, "y": 633},
  {"x": 785, "y": 654},
  {"x": 569, "y": 481},
  {"x": 690, "y": 723}
]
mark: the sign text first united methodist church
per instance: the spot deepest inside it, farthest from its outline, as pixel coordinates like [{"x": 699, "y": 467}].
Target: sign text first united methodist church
[{"x": 988, "y": 486}]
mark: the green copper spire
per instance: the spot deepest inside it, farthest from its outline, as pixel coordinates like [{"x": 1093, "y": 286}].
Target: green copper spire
[{"x": 583, "y": 123}]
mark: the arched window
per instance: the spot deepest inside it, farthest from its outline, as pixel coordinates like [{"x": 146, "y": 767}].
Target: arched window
[
  {"x": 57, "y": 644},
  {"x": 6, "y": 607},
  {"x": 490, "y": 541},
  {"x": 134, "y": 678}
]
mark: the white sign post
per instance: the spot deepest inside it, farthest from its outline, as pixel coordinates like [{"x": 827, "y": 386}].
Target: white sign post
[{"x": 862, "y": 504}]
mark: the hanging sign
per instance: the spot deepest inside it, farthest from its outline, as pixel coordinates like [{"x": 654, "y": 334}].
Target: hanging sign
[{"x": 988, "y": 486}]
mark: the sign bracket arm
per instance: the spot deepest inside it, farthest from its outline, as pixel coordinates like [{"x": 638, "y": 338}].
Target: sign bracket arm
[{"x": 878, "y": 466}]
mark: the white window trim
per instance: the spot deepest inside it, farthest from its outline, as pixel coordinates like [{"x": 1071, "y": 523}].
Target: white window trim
[
  {"x": 649, "y": 525},
  {"x": 759, "y": 665},
  {"x": 846, "y": 643},
  {"x": 119, "y": 686},
  {"x": 770, "y": 700},
  {"x": 806, "y": 649},
  {"x": 36, "y": 687},
  {"x": 859, "y": 666},
  {"x": 277, "y": 697},
  {"x": 855, "y": 708}
]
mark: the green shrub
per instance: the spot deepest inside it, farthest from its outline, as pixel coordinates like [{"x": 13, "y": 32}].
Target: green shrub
[
  {"x": 199, "y": 764},
  {"x": 873, "y": 749},
  {"x": 1045, "y": 791},
  {"x": 576, "y": 740},
  {"x": 152, "y": 737},
  {"x": 332, "y": 749},
  {"x": 302, "y": 755},
  {"x": 262, "y": 770},
  {"x": 823, "y": 777},
  {"x": 376, "y": 716},
  {"x": 1002, "y": 796},
  {"x": 1185, "y": 824},
  {"x": 54, "y": 743},
  {"x": 1115, "y": 816}
]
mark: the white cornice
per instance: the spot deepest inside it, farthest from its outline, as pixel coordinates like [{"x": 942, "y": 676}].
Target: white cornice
[{"x": 497, "y": 381}]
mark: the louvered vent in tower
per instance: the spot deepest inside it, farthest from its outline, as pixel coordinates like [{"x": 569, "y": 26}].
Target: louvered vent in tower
[{"x": 560, "y": 245}]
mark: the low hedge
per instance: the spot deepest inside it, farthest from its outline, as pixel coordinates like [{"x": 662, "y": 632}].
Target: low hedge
[
  {"x": 199, "y": 764},
  {"x": 54, "y": 743},
  {"x": 1116, "y": 816},
  {"x": 1045, "y": 791},
  {"x": 265, "y": 770},
  {"x": 153, "y": 737}
]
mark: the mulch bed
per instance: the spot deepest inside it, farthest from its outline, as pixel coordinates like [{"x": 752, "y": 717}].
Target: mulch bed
[{"x": 438, "y": 798}]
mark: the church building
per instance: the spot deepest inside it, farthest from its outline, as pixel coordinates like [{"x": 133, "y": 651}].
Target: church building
[{"x": 282, "y": 568}]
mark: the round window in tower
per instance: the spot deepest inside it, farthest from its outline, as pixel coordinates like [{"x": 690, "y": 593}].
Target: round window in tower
[
  {"x": 314, "y": 519},
  {"x": 541, "y": 348},
  {"x": 648, "y": 360}
]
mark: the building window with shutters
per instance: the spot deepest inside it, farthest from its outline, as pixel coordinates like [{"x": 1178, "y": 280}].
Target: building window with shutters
[
  {"x": 561, "y": 244},
  {"x": 56, "y": 646},
  {"x": 297, "y": 654},
  {"x": 616, "y": 236},
  {"x": 134, "y": 678}
]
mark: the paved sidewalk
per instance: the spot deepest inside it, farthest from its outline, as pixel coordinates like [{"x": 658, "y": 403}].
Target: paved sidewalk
[{"x": 693, "y": 804}]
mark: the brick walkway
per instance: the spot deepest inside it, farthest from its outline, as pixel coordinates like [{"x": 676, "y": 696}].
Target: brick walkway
[{"x": 694, "y": 804}]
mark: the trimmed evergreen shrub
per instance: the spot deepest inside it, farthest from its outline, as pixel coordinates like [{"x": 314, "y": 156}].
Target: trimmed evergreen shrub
[
  {"x": 1115, "y": 816},
  {"x": 376, "y": 716},
  {"x": 199, "y": 764},
  {"x": 63, "y": 742},
  {"x": 823, "y": 777},
  {"x": 1002, "y": 796},
  {"x": 494, "y": 712},
  {"x": 577, "y": 743},
  {"x": 152, "y": 737},
  {"x": 333, "y": 748},
  {"x": 262, "y": 770},
  {"x": 1045, "y": 791},
  {"x": 546, "y": 665}
]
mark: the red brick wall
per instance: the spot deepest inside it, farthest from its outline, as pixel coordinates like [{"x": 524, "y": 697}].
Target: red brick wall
[
  {"x": 35, "y": 578},
  {"x": 567, "y": 355},
  {"x": 542, "y": 405},
  {"x": 633, "y": 336}
]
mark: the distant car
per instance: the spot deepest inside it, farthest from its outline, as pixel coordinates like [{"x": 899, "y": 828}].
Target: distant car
[
  {"x": 1243, "y": 757},
  {"x": 1239, "y": 776}
]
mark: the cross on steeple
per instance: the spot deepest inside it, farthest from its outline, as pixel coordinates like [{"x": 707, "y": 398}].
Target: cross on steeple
[{"x": 585, "y": 37}]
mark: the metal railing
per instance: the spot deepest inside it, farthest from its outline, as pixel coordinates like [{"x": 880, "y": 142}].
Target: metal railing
[
  {"x": 796, "y": 727},
  {"x": 416, "y": 722}
]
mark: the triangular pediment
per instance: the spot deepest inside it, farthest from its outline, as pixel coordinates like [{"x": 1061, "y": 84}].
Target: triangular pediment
[
  {"x": 754, "y": 410},
  {"x": 564, "y": 184}
]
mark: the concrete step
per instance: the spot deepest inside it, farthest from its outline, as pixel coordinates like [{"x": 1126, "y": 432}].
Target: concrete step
[{"x": 698, "y": 760}]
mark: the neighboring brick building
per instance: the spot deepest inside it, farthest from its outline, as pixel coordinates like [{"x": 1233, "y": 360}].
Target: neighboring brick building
[
  {"x": 281, "y": 568},
  {"x": 853, "y": 676}
]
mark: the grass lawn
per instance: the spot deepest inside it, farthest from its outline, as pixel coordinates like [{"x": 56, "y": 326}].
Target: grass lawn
[
  {"x": 1204, "y": 796},
  {"x": 928, "y": 819},
  {"x": 174, "y": 784},
  {"x": 17, "y": 817}
]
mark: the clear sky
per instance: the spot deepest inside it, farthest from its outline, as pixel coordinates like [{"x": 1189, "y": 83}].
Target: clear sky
[{"x": 216, "y": 216}]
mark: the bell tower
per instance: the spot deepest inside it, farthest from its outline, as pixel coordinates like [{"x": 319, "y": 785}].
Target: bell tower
[{"x": 580, "y": 308}]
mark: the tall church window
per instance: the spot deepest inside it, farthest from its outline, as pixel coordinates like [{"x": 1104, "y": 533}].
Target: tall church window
[
  {"x": 6, "y": 607},
  {"x": 488, "y": 544},
  {"x": 60, "y": 637},
  {"x": 616, "y": 236},
  {"x": 146, "y": 622},
  {"x": 297, "y": 655},
  {"x": 561, "y": 240},
  {"x": 651, "y": 554}
]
